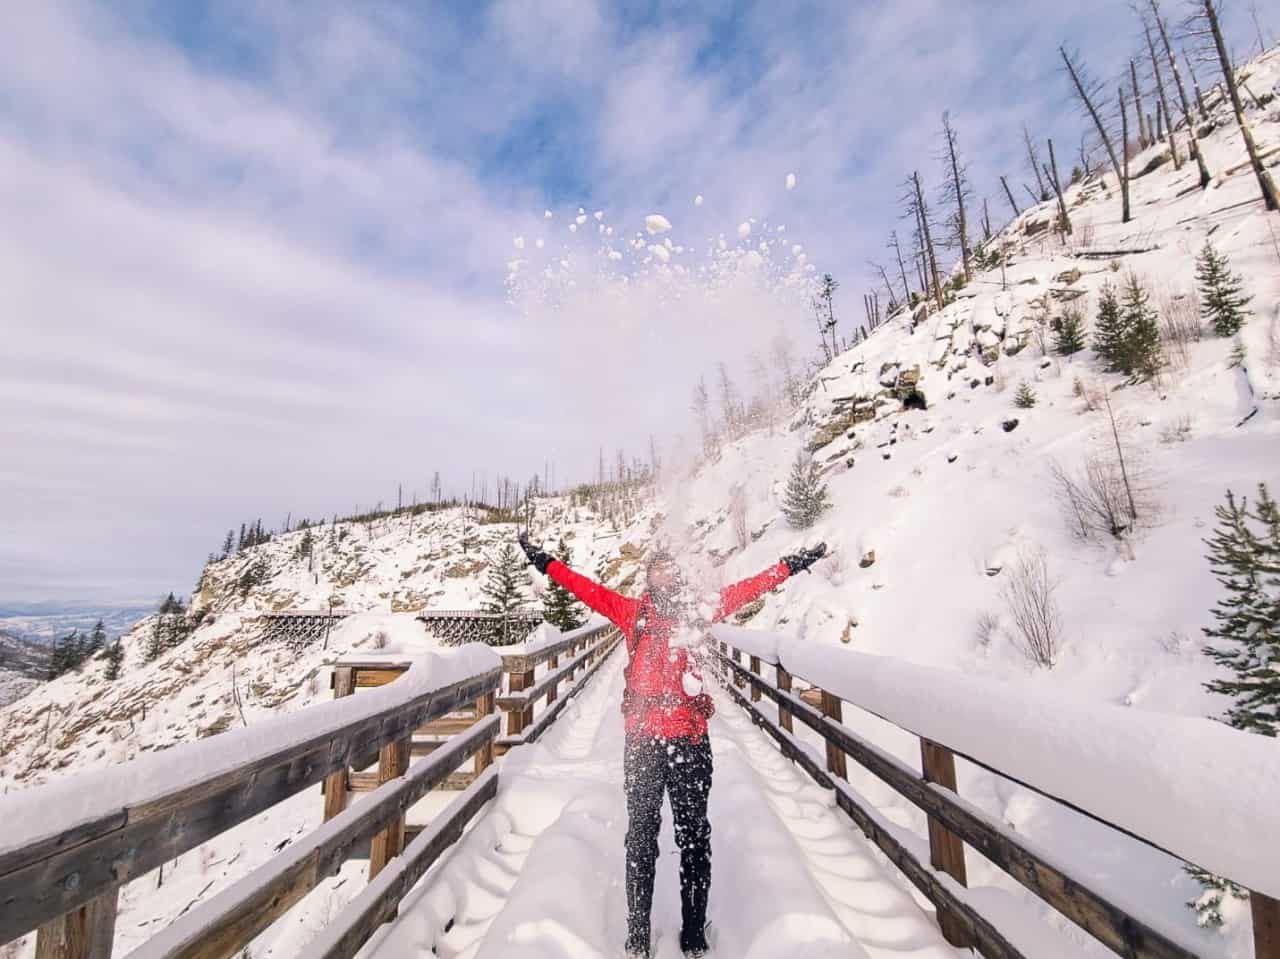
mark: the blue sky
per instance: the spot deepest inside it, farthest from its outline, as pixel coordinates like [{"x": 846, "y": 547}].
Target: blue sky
[{"x": 252, "y": 255}]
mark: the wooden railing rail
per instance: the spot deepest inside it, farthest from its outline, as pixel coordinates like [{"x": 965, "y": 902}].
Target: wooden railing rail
[
  {"x": 952, "y": 822},
  {"x": 587, "y": 646},
  {"x": 81, "y": 839}
]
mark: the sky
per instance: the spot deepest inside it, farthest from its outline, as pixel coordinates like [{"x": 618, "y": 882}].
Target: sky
[{"x": 261, "y": 259}]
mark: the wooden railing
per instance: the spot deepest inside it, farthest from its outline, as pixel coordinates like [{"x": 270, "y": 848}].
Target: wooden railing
[
  {"x": 72, "y": 844},
  {"x": 954, "y": 823}
]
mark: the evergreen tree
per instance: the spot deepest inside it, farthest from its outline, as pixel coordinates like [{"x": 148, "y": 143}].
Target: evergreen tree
[
  {"x": 806, "y": 496},
  {"x": 1142, "y": 358},
  {"x": 97, "y": 640},
  {"x": 1069, "y": 339},
  {"x": 1221, "y": 297},
  {"x": 503, "y": 593},
  {"x": 559, "y": 607},
  {"x": 228, "y": 543},
  {"x": 1110, "y": 333},
  {"x": 157, "y": 639},
  {"x": 1247, "y": 628},
  {"x": 1025, "y": 397},
  {"x": 114, "y": 655},
  {"x": 306, "y": 545},
  {"x": 64, "y": 656},
  {"x": 240, "y": 544}
]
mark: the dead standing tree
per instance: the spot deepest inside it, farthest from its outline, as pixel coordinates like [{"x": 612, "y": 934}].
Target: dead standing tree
[
  {"x": 902, "y": 269},
  {"x": 1162, "y": 104},
  {"x": 1064, "y": 219},
  {"x": 917, "y": 208},
  {"x": 1182, "y": 94},
  {"x": 956, "y": 192},
  {"x": 1144, "y": 134},
  {"x": 1088, "y": 92},
  {"x": 1034, "y": 160},
  {"x": 1204, "y": 26},
  {"x": 1009, "y": 193}
]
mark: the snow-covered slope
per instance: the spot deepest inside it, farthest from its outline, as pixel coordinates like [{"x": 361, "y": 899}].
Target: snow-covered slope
[{"x": 23, "y": 666}]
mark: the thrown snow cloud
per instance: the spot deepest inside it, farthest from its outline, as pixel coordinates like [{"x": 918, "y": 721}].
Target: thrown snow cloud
[
  {"x": 744, "y": 229},
  {"x": 791, "y": 181},
  {"x": 519, "y": 242},
  {"x": 697, "y": 200},
  {"x": 546, "y": 214},
  {"x": 599, "y": 214},
  {"x": 656, "y": 223},
  {"x": 573, "y": 228},
  {"x": 661, "y": 252}
]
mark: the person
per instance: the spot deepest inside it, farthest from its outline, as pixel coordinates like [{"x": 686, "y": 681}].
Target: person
[{"x": 665, "y": 710}]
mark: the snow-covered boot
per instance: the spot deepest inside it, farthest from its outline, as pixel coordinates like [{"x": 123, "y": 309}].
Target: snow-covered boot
[{"x": 636, "y": 948}]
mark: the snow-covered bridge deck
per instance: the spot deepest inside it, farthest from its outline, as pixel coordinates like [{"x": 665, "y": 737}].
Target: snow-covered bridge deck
[{"x": 541, "y": 874}]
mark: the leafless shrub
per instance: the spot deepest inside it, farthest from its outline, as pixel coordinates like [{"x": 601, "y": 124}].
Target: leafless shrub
[
  {"x": 313, "y": 685},
  {"x": 1112, "y": 493},
  {"x": 1029, "y": 595},
  {"x": 380, "y": 639},
  {"x": 1090, "y": 392},
  {"x": 1273, "y": 342},
  {"x": 1180, "y": 326},
  {"x": 1177, "y": 430},
  {"x": 1175, "y": 642},
  {"x": 1084, "y": 234},
  {"x": 1001, "y": 382},
  {"x": 899, "y": 491},
  {"x": 986, "y": 628}
]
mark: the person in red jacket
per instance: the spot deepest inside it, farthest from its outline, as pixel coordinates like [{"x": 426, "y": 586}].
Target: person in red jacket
[{"x": 665, "y": 710}]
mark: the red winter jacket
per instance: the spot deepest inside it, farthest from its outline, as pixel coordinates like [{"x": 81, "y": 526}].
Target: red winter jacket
[{"x": 656, "y": 701}]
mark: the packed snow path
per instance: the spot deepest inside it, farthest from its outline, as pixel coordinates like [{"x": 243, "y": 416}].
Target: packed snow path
[{"x": 541, "y": 873}]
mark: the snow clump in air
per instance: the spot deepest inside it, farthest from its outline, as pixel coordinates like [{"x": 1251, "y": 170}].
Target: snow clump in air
[
  {"x": 744, "y": 229},
  {"x": 519, "y": 242},
  {"x": 697, "y": 200},
  {"x": 791, "y": 181},
  {"x": 656, "y": 223}
]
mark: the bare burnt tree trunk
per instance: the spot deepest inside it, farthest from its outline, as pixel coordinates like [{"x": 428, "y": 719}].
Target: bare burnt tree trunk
[
  {"x": 986, "y": 222},
  {"x": 897, "y": 251},
  {"x": 928, "y": 239},
  {"x": 1009, "y": 193},
  {"x": 1195, "y": 85},
  {"x": 1124, "y": 135},
  {"x": 1077, "y": 78},
  {"x": 1182, "y": 95},
  {"x": 1032, "y": 193},
  {"x": 1144, "y": 134},
  {"x": 957, "y": 193},
  {"x": 922, "y": 274},
  {"x": 1246, "y": 132},
  {"x": 1162, "y": 104},
  {"x": 893, "y": 300},
  {"x": 1065, "y": 220},
  {"x": 1035, "y": 162}
]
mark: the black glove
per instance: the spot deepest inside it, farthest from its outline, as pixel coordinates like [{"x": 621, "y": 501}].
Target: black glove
[
  {"x": 805, "y": 558},
  {"x": 538, "y": 557}
]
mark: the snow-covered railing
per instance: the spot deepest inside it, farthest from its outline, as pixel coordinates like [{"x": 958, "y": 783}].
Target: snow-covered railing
[
  {"x": 66, "y": 848},
  {"x": 1193, "y": 788}
]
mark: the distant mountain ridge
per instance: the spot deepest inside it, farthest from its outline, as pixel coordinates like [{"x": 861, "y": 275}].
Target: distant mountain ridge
[{"x": 42, "y": 622}]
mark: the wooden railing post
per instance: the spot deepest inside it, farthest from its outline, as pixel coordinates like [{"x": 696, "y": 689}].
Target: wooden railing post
[
  {"x": 552, "y": 665},
  {"x": 755, "y": 668},
  {"x": 737, "y": 677},
  {"x": 84, "y": 933},
  {"x": 833, "y": 708},
  {"x": 393, "y": 762},
  {"x": 1266, "y": 926},
  {"x": 335, "y": 785},
  {"x": 946, "y": 850},
  {"x": 518, "y": 719},
  {"x": 784, "y": 714},
  {"x": 484, "y": 708}
]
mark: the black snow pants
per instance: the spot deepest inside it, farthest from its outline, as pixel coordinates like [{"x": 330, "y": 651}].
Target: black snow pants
[{"x": 681, "y": 768}]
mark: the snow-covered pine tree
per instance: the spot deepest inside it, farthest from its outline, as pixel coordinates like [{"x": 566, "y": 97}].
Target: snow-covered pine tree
[
  {"x": 1246, "y": 636},
  {"x": 503, "y": 592},
  {"x": 806, "y": 496},
  {"x": 1142, "y": 354},
  {"x": 559, "y": 607},
  {"x": 1110, "y": 333},
  {"x": 114, "y": 655},
  {"x": 1069, "y": 339},
  {"x": 1025, "y": 397},
  {"x": 1221, "y": 297}
]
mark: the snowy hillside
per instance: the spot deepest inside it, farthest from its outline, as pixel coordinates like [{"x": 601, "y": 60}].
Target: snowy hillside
[{"x": 23, "y": 666}]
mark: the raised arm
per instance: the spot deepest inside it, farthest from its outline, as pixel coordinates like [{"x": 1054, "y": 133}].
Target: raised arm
[
  {"x": 618, "y": 609},
  {"x": 737, "y": 595}
]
